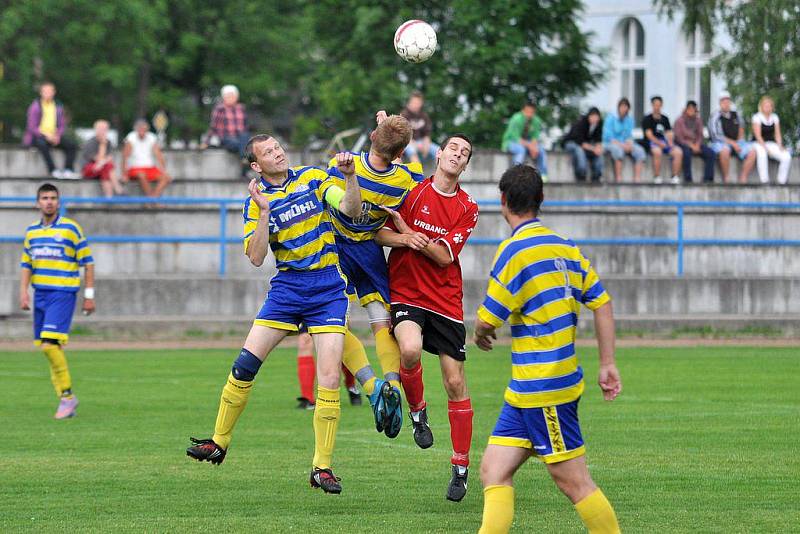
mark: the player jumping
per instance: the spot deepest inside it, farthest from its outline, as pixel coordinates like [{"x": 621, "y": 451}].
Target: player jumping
[
  {"x": 383, "y": 184},
  {"x": 538, "y": 282},
  {"x": 434, "y": 223},
  {"x": 287, "y": 212},
  {"x": 54, "y": 249}
]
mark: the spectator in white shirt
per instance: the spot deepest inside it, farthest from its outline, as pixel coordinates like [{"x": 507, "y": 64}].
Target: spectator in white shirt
[
  {"x": 769, "y": 142},
  {"x": 143, "y": 160}
]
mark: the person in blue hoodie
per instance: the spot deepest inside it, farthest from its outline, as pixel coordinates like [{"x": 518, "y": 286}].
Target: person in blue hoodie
[{"x": 618, "y": 140}]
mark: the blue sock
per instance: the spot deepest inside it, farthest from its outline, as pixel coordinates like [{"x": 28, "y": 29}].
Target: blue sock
[{"x": 246, "y": 366}]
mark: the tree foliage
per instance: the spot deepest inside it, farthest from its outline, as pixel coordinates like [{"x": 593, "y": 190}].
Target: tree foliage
[
  {"x": 764, "y": 58},
  {"x": 303, "y": 67}
]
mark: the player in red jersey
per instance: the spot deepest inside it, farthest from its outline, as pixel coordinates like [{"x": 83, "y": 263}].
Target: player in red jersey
[{"x": 426, "y": 235}]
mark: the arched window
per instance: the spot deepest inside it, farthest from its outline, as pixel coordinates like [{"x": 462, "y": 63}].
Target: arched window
[
  {"x": 698, "y": 73},
  {"x": 631, "y": 63}
]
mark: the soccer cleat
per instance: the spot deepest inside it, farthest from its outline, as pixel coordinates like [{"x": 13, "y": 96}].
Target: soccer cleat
[
  {"x": 66, "y": 407},
  {"x": 205, "y": 450},
  {"x": 325, "y": 479},
  {"x": 394, "y": 411},
  {"x": 355, "y": 396},
  {"x": 305, "y": 404},
  {"x": 423, "y": 436},
  {"x": 377, "y": 399},
  {"x": 458, "y": 484}
]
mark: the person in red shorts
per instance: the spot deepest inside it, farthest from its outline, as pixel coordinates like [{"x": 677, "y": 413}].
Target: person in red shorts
[
  {"x": 99, "y": 161},
  {"x": 427, "y": 234},
  {"x": 143, "y": 160}
]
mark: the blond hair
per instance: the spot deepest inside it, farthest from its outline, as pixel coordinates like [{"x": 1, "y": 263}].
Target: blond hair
[
  {"x": 763, "y": 100},
  {"x": 391, "y": 137}
]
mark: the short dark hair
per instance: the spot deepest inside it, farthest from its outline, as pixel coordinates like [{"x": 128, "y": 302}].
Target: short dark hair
[
  {"x": 248, "y": 149},
  {"x": 529, "y": 104},
  {"x": 593, "y": 111},
  {"x": 460, "y": 136},
  {"x": 522, "y": 189},
  {"x": 624, "y": 100},
  {"x": 46, "y": 188},
  {"x": 691, "y": 104},
  {"x": 656, "y": 97}
]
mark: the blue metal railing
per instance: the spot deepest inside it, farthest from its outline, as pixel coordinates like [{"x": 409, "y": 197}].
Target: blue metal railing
[{"x": 222, "y": 239}]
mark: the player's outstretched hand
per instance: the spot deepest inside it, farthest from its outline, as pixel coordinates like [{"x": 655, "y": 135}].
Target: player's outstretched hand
[
  {"x": 261, "y": 201},
  {"x": 88, "y": 306},
  {"x": 397, "y": 219},
  {"x": 24, "y": 301},
  {"x": 345, "y": 163},
  {"x": 609, "y": 381},
  {"x": 380, "y": 116},
  {"x": 485, "y": 342}
]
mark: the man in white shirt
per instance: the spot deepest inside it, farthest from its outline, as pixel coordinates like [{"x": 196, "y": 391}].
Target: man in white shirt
[{"x": 143, "y": 160}]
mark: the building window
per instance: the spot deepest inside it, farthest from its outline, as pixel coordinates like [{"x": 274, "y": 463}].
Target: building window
[
  {"x": 698, "y": 73},
  {"x": 631, "y": 61}
]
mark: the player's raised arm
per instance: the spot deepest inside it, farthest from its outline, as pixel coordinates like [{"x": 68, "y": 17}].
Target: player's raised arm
[
  {"x": 350, "y": 204},
  {"x": 608, "y": 378},
  {"x": 258, "y": 243}
]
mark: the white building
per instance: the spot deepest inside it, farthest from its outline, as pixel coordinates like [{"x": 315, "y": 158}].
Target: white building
[{"x": 647, "y": 55}]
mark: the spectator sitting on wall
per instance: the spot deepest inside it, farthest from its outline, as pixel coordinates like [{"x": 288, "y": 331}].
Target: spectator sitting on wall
[
  {"x": 521, "y": 138},
  {"x": 618, "y": 140},
  {"x": 727, "y": 136},
  {"x": 584, "y": 143},
  {"x": 689, "y": 136},
  {"x": 229, "y": 124},
  {"x": 45, "y": 130},
  {"x": 98, "y": 161},
  {"x": 139, "y": 159},
  {"x": 421, "y": 146},
  {"x": 769, "y": 142},
  {"x": 658, "y": 133}
]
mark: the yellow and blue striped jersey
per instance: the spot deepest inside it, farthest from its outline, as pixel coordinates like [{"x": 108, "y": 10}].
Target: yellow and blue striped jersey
[
  {"x": 388, "y": 188},
  {"x": 300, "y": 230},
  {"x": 54, "y": 253},
  {"x": 538, "y": 282}
]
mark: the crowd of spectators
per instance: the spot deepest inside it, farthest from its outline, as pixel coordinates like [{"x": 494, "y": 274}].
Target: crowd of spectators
[{"x": 591, "y": 137}]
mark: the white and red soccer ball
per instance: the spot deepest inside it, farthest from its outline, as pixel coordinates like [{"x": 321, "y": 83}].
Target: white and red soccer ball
[{"x": 415, "y": 41}]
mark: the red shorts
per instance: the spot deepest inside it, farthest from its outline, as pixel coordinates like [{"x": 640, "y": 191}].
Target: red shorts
[
  {"x": 104, "y": 172},
  {"x": 150, "y": 173}
]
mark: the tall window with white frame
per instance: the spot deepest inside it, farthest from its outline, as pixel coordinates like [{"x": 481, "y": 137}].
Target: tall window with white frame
[
  {"x": 698, "y": 73},
  {"x": 631, "y": 63}
]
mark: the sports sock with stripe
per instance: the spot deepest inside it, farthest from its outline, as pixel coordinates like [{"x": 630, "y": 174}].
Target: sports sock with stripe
[{"x": 389, "y": 356}]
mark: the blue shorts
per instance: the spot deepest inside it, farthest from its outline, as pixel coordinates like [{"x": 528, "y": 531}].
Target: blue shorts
[
  {"x": 552, "y": 432},
  {"x": 745, "y": 146},
  {"x": 663, "y": 150},
  {"x": 364, "y": 265},
  {"x": 316, "y": 299},
  {"x": 52, "y": 315}
]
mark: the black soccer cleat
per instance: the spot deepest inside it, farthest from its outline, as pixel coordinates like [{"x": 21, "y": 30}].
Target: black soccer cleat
[
  {"x": 305, "y": 404},
  {"x": 458, "y": 484},
  {"x": 325, "y": 479},
  {"x": 423, "y": 436},
  {"x": 205, "y": 450},
  {"x": 355, "y": 396}
]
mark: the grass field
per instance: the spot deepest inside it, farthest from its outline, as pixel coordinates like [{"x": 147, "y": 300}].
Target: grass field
[{"x": 701, "y": 440}]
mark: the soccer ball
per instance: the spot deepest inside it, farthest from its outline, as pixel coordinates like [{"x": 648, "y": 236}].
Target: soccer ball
[{"x": 415, "y": 41}]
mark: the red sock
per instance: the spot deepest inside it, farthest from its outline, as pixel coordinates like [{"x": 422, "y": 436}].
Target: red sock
[
  {"x": 349, "y": 379},
  {"x": 460, "y": 413},
  {"x": 306, "y": 373},
  {"x": 411, "y": 379}
]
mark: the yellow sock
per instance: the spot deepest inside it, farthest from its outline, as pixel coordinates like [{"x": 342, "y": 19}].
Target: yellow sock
[
  {"x": 389, "y": 356},
  {"x": 326, "y": 421},
  {"x": 231, "y": 405},
  {"x": 597, "y": 514},
  {"x": 498, "y": 509},
  {"x": 355, "y": 359},
  {"x": 59, "y": 372}
]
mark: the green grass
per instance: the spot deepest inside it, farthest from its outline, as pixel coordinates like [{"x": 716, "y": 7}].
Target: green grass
[{"x": 701, "y": 440}]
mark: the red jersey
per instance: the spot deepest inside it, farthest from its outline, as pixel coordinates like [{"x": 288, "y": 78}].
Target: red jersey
[{"x": 415, "y": 279}]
